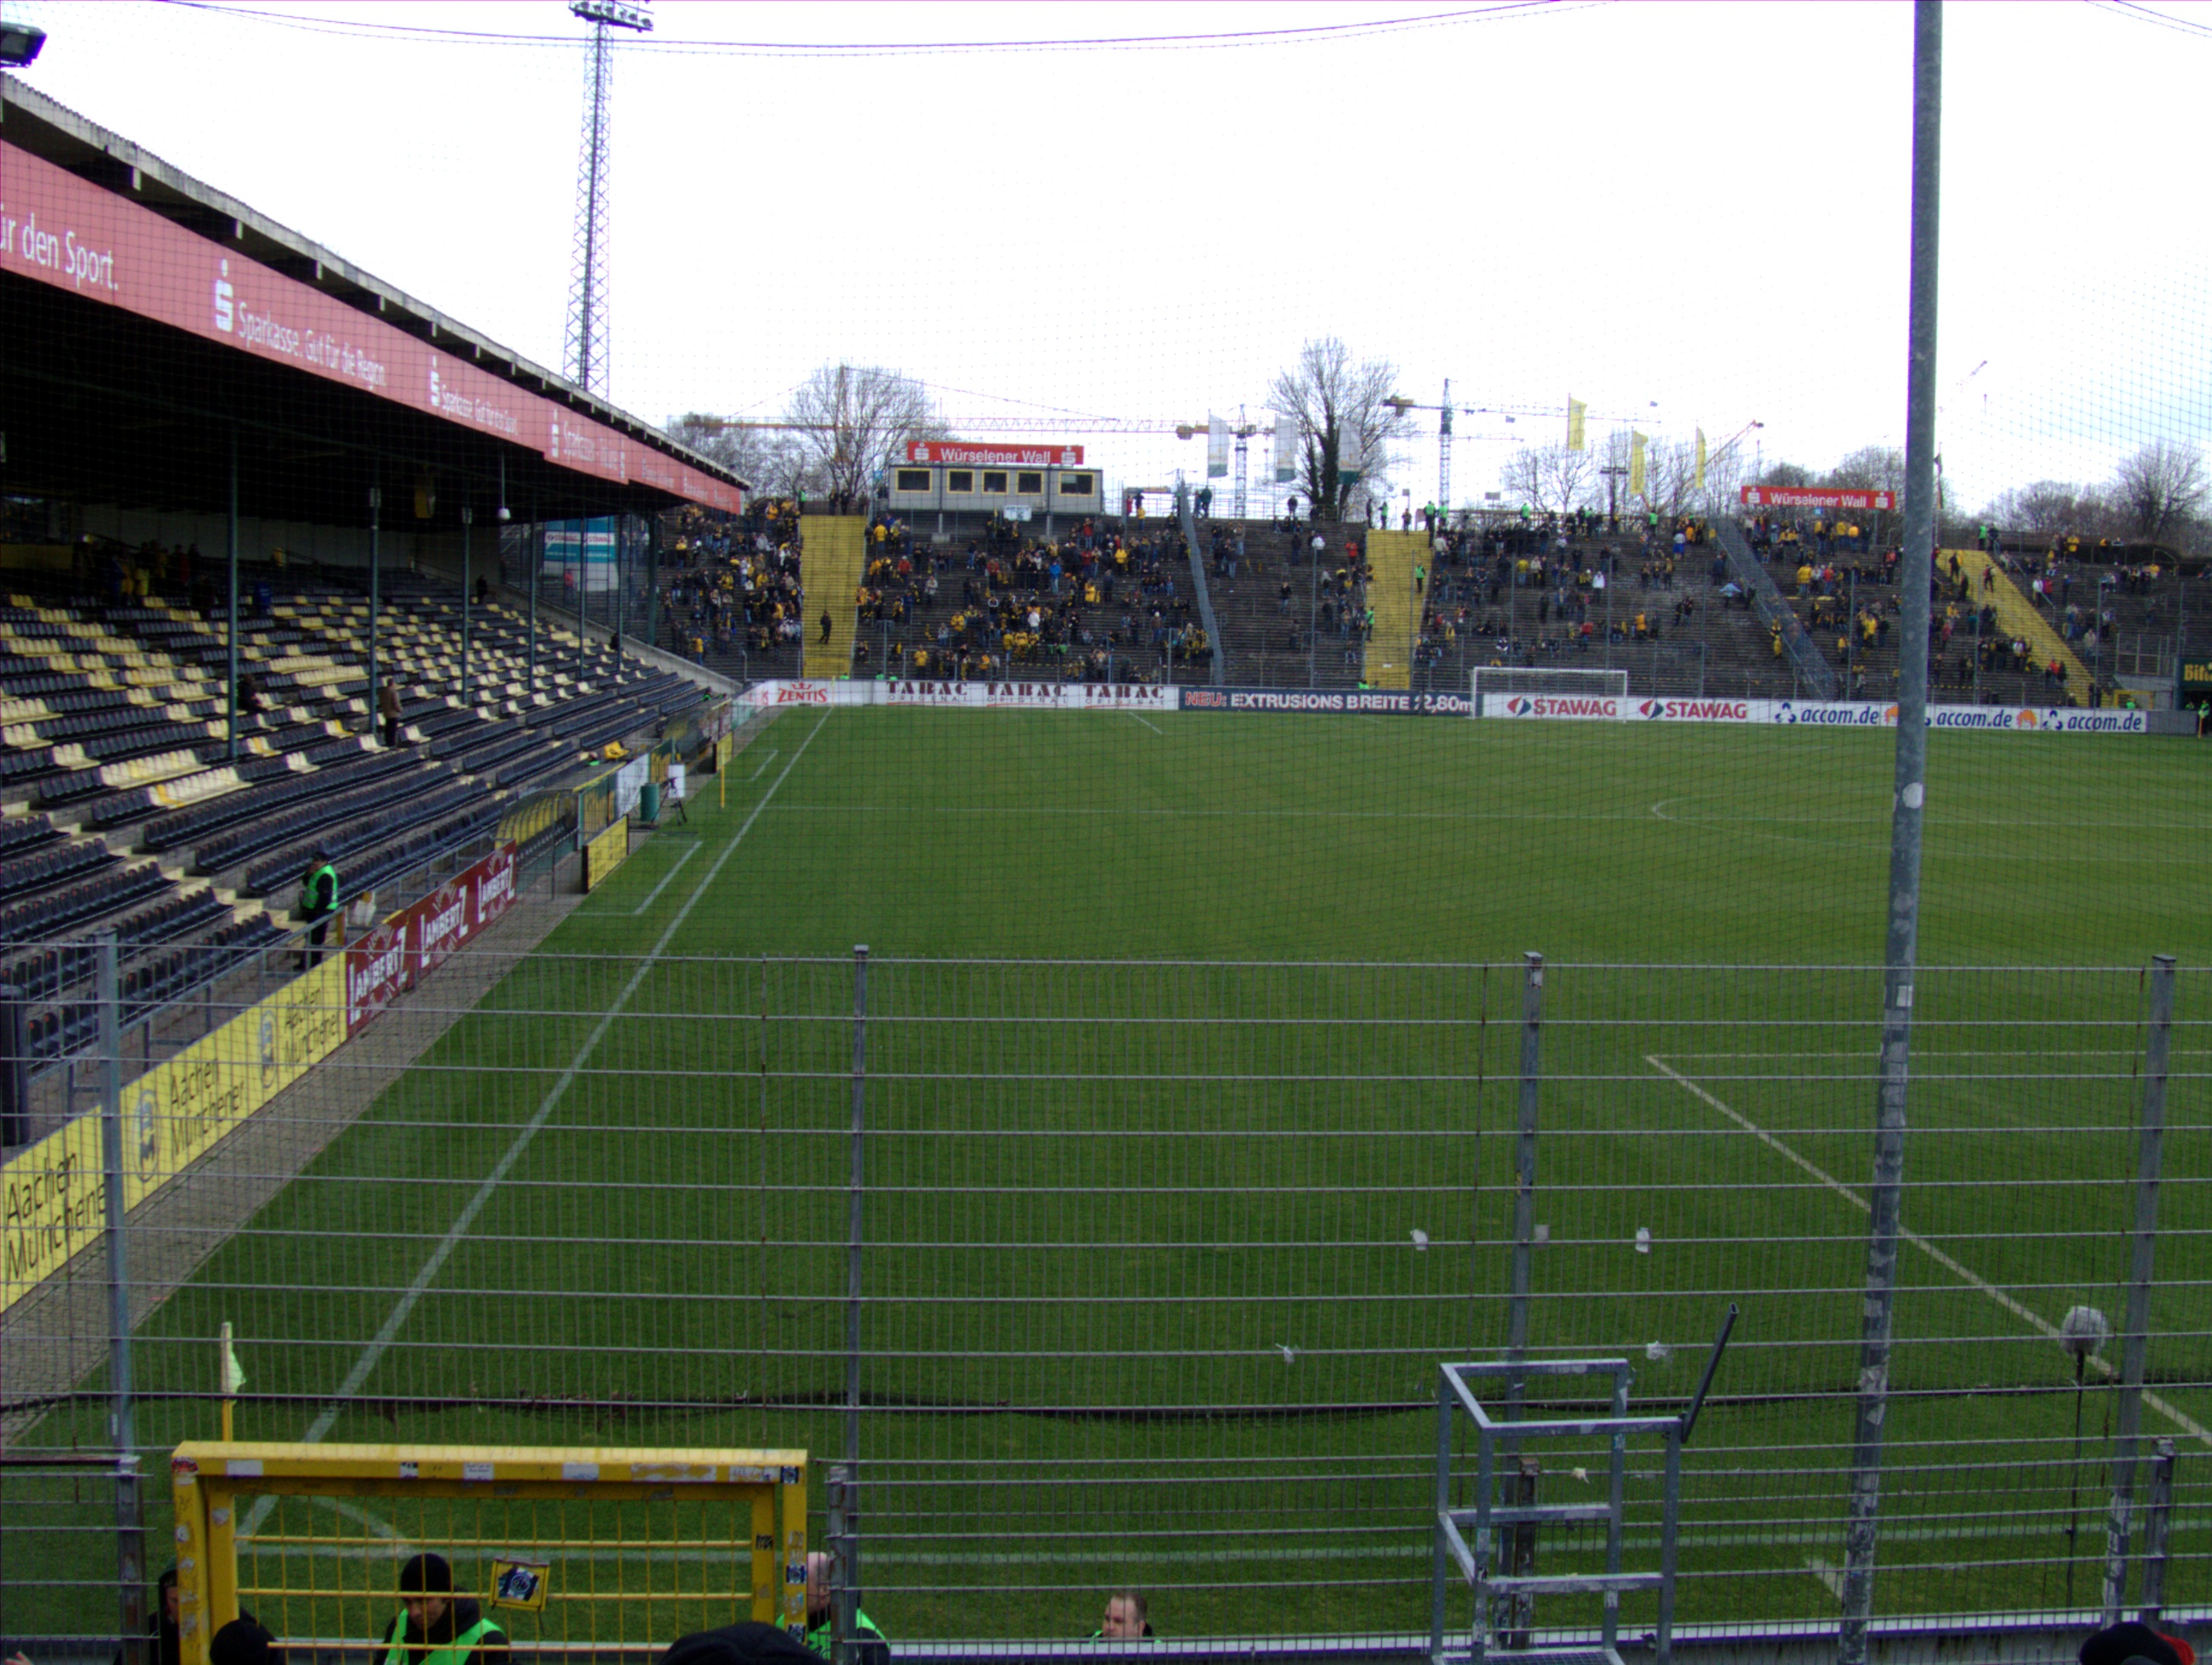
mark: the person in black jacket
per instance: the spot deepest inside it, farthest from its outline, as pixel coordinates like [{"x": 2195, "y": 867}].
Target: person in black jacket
[{"x": 440, "y": 1627}]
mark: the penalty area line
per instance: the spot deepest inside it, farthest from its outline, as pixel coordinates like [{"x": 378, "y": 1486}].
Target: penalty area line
[{"x": 1957, "y": 1269}]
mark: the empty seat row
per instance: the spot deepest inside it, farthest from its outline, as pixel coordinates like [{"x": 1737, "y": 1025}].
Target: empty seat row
[
  {"x": 362, "y": 829},
  {"x": 47, "y": 918},
  {"x": 27, "y": 875},
  {"x": 380, "y": 779}
]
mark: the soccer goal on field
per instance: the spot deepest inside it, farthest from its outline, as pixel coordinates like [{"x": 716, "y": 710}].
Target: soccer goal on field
[
  {"x": 568, "y": 1548},
  {"x": 1501, "y": 682}
]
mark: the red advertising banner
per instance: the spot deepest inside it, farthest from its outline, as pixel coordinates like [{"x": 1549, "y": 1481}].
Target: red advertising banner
[
  {"x": 375, "y": 973},
  {"x": 417, "y": 941},
  {"x": 60, "y": 230},
  {"x": 1814, "y": 497},
  {"x": 993, "y": 456},
  {"x": 491, "y": 887}
]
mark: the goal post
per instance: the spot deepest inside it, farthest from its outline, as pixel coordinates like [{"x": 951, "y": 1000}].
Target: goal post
[
  {"x": 577, "y": 1550},
  {"x": 1504, "y": 681}
]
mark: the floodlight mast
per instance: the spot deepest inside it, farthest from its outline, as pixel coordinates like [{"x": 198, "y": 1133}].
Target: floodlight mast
[{"x": 587, "y": 344}]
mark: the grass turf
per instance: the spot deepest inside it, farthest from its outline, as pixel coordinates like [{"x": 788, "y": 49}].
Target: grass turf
[{"x": 1104, "y": 1198}]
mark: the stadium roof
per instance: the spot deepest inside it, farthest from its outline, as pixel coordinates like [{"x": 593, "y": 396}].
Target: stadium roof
[{"x": 447, "y": 405}]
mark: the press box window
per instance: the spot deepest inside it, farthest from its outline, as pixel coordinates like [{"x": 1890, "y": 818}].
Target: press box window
[
  {"x": 1076, "y": 485},
  {"x": 995, "y": 480},
  {"x": 1029, "y": 485},
  {"x": 913, "y": 479},
  {"x": 960, "y": 479}
]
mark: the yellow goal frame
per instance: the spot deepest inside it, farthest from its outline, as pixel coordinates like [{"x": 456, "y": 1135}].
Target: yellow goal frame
[{"x": 207, "y": 1477}]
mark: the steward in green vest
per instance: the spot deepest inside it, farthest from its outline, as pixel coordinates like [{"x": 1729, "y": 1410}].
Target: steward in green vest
[
  {"x": 318, "y": 900},
  {"x": 874, "y": 1651},
  {"x": 440, "y": 1628}
]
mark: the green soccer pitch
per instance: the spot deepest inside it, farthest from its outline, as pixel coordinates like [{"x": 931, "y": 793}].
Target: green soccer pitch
[{"x": 1144, "y": 1304}]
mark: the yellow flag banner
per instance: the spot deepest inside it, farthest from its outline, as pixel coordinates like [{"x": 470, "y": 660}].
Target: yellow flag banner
[
  {"x": 1636, "y": 445},
  {"x": 1700, "y": 484},
  {"x": 50, "y": 1192},
  {"x": 1576, "y": 410}
]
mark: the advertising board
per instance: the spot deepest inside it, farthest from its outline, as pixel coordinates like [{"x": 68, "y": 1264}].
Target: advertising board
[
  {"x": 173, "y": 1115},
  {"x": 1350, "y": 701},
  {"x": 606, "y": 853}
]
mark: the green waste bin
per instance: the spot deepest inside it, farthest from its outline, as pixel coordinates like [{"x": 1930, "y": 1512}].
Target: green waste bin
[{"x": 648, "y": 803}]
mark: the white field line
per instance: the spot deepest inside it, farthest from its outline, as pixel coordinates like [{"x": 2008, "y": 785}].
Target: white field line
[
  {"x": 653, "y": 894},
  {"x": 1971, "y": 1279},
  {"x": 1140, "y": 718},
  {"x": 765, "y": 762},
  {"x": 404, "y": 1307}
]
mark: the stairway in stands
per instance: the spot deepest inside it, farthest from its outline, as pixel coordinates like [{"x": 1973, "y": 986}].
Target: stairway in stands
[
  {"x": 834, "y": 562},
  {"x": 2017, "y": 616},
  {"x": 1392, "y": 556}
]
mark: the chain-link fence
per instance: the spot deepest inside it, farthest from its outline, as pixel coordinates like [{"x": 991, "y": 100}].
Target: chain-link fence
[{"x": 1139, "y": 1275}]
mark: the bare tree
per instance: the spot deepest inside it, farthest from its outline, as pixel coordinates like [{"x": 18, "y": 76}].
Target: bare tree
[
  {"x": 1549, "y": 478},
  {"x": 1344, "y": 423},
  {"x": 745, "y": 450},
  {"x": 850, "y": 423},
  {"x": 1670, "y": 477},
  {"x": 2048, "y": 506},
  {"x": 2157, "y": 490},
  {"x": 1876, "y": 468}
]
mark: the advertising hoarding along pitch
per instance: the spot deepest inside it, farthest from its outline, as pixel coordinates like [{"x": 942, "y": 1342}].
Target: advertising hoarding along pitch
[{"x": 61, "y": 230}]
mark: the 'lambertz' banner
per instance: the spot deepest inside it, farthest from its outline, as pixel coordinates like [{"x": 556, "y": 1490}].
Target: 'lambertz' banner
[
  {"x": 959, "y": 452},
  {"x": 1813, "y": 497},
  {"x": 61, "y": 230},
  {"x": 417, "y": 940}
]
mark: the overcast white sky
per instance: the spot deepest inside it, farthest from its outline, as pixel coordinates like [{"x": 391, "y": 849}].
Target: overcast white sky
[{"x": 1694, "y": 214}]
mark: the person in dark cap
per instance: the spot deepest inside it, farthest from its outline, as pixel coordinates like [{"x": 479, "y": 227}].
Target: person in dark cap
[
  {"x": 749, "y": 1644},
  {"x": 2136, "y": 1644},
  {"x": 438, "y": 1626},
  {"x": 243, "y": 1642}
]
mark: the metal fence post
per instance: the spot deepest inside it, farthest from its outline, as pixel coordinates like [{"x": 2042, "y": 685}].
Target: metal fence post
[
  {"x": 2135, "y": 1339},
  {"x": 1901, "y": 948},
  {"x": 129, "y": 1525},
  {"x": 843, "y": 1596},
  {"x": 2157, "y": 1515},
  {"x": 1524, "y": 1177},
  {"x": 851, "y": 1559}
]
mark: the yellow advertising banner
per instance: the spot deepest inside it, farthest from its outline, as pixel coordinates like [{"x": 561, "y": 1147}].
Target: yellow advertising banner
[
  {"x": 1699, "y": 483},
  {"x": 51, "y": 1192},
  {"x": 1577, "y": 410},
  {"x": 606, "y": 853},
  {"x": 1636, "y": 445}
]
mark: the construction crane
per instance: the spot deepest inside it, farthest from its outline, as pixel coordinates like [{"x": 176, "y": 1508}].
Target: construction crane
[
  {"x": 1182, "y": 430},
  {"x": 1401, "y": 403}
]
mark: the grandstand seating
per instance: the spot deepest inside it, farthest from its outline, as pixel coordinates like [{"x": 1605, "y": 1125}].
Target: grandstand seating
[{"x": 114, "y": 748}]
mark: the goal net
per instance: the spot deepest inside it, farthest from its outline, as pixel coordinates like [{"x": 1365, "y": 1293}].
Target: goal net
[
  {"x": 564, "y": 1548},
  {"x": 1502, "y": 682}
]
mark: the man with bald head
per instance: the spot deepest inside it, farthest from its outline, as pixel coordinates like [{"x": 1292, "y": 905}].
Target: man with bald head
[{"x": 874, "y": 1651}]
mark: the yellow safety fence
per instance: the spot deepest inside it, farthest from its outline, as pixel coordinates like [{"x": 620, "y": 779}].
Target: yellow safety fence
[{"x": 566, "y": 1549}]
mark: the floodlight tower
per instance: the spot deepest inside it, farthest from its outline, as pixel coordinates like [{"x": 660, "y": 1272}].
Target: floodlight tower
[{"x": 586, "y": 348}]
